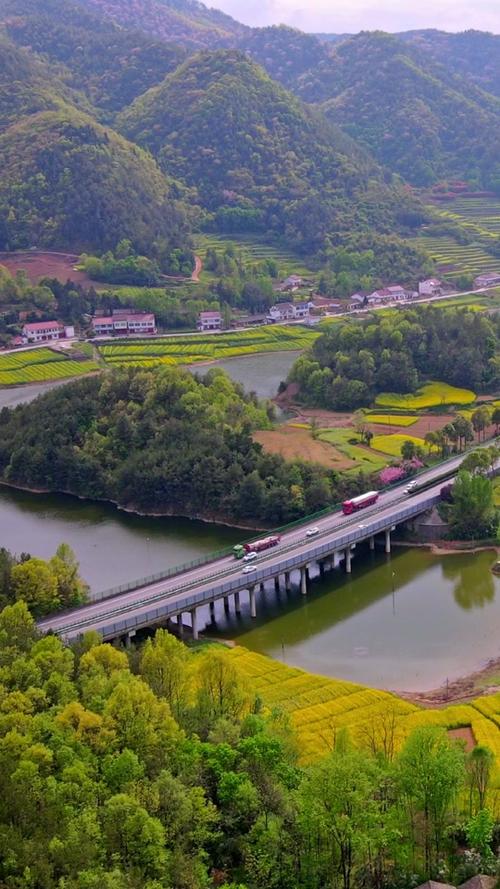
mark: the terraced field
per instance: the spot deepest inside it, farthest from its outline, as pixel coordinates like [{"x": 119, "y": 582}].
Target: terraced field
[
  {"x": 257, "y": 248},
  {"x": 39, "y": 365},
  {"x": 484, "y": 212},
  {"x": 319, "y": 707},
  {"x": 453, "y": 260},
  {"x": 209, "y": 347}
]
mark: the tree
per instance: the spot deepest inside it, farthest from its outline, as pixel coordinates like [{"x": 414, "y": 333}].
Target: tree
[
  {"x": 495, "y": 418},
  {"x": 220, "y": 693},
  {"x": 479, "y": 765},
  {"x": 472, "y": 513},
  {"x": 72, "y": 590},
  {"x": 340, "y": 817},
  {"x": 477, "y": 462},
  {"x": 431, "y": 772},
  {"x": 164, "y": 666},
  {"x": 36, "y": 584},
  {"x": 408, "y": 449},
  {"x": 480, "y": 420}
]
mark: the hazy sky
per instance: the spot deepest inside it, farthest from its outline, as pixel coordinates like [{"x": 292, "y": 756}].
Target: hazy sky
[{"x": 339, "y": 16}]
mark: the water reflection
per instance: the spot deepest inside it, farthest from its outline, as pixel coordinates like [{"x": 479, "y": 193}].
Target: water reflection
[{"x": 472, "y": 588}]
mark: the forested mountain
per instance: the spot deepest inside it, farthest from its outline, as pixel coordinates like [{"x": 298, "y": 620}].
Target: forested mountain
[
  {"x": 259, "y": 158},
  {"x": 474, "y": 54},
  {"x": 67, "y": 181},
  {"x": 187, "y": 22},
  {"x": 110, "y": 64},
  {"x": 417, "y": 118},
  {"x": 288, "y": 55}
]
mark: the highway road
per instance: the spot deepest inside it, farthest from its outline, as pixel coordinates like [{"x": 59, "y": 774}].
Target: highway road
[{"x": 204, "y": 577}]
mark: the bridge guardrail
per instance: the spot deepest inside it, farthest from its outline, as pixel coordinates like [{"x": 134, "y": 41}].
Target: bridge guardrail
[
  {"x": 227, "y": 551},
  {"x": 169, "y": 608}
]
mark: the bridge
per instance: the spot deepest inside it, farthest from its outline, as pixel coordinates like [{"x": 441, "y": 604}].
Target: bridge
[{"x": 179, "y": 592}]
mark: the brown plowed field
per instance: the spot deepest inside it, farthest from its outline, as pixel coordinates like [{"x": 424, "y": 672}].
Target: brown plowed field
[
  {"x": 38, "y": 264},
  {"x": 298, "y": 444}
]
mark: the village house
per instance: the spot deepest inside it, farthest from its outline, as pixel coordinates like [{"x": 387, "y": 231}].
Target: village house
[
  {"x": 481, "y": 881},
  {"x": 209, "y": 321},
  {"x": 430, "y": 287},
  {"x": 282, "y": 312},
  {"x": 489, "y": 279},
  {"x": 122, "y": 323},
  {"x": 301, "y": 310},
  {"x": 43, "y": 331},
  {"x": 324, "y": 305},
  {"x": 356, "y": 302}
]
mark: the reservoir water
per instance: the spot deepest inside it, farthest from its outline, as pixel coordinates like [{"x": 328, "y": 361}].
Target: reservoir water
[{"x": 406, "y": 622}]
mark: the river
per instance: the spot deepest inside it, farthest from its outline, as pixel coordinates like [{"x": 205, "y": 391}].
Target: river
[{"x": 405, "y": 622}]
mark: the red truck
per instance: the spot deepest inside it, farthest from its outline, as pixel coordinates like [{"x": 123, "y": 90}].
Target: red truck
[
  {"x": 257, "y": 546},
  {"x": 359, "y": 502}
]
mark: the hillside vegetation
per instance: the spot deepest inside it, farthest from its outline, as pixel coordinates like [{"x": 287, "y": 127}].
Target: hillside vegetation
[
  {"x": 259, "y": 158},
  {"x": 67, "y": 180},
  {"x": 434, "y": 124},
  {"x": 164, "y": 767},
  {"x": 350, "y": 363},
  {"x": 160, "y": 441},
  {"x": 110, "y": 64}
]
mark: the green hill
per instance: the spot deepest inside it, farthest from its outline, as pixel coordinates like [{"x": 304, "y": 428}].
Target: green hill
[
  {"x": 69, "y": 182},
  {"x": 259, "y": 157},
  {"x": 111, "y": 64},
  {"x": 417, "y": 118},
  {"x": 187, "y": 22},
  {"x": 471, "y": 54}
]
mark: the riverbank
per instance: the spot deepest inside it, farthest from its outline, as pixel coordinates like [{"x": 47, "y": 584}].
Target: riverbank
[{"x": 481, "y": 683}]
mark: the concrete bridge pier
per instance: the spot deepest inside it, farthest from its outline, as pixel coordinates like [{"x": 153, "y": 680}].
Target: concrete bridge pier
[
  {"x": 308, "y": 576},
  {"x": 226, "y": 605},
  {"x": 388, "y": 540},
  {"x": 287, "y": 581},
  {"x": 212, "y": 611},
  {"x": 348, "y": 567},
  {"x": 237, "y": 606},
  {"x": 180, "y": 626},
  {"x": 277, "y": 583},
  {"x": 303, "y": 581},
  {"x": 194, "y": 624},
  {"x": 372, "y": 543},
  {"x": 322, "y": 565},
  {"x": 253, "y": 607},
  {"x": 128, "y": 638}
]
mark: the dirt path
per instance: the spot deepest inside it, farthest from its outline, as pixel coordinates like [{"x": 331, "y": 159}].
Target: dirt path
[
  {"x": 483, "y": 682},
  {"x": 198, "y": 265}
]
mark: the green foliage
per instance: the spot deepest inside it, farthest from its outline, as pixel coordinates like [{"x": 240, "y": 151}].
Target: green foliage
[
  {"x": 160, "y": 441},
  {"x": 450, "y": 127},
  {"x": 44, "y": 586},
  {"x": 112, "y": 65},
  {"x": 258, "y": 157},
  {"x": 351, "y": 362},
  {"x": 471, "y": 513}
]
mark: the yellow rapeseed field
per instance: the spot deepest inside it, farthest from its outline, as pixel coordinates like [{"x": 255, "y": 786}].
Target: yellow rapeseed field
[
  {"x": 319, "y": 707},
  {"x": 432, "y": 394}
]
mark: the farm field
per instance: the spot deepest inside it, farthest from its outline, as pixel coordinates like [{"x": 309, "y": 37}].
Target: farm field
[
  {"x": 431, "y": 394},
  {"x": 295, "y": 443},
  {"x": 45, "y": 264},
  {"x": 207, "y": 347},
  {"x": 256, "y": 248},
  {"x": 319, "y": 707},
  {"x": 392, "y": 419},
  {"x": 452, "y": 259},
  {"x": 391, "y": 444},
  {"x": 38, "y": 365},
  {"x": 360, "y": 457}
]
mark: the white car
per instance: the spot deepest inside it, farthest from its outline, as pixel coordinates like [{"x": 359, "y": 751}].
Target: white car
[
  {"x": 311, "y": 532},
  {"x": 410, "y": 487},
  {"x": 249, "y": 557},
  {"x": 248, "y": 569}
]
